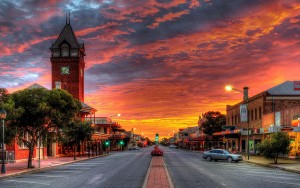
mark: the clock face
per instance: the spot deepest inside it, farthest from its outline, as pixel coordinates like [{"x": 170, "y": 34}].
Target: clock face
[{"x": 65, "y": 70}]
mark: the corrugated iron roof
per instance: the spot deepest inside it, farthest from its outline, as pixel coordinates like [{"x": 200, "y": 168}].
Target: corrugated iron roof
[{"x": 285, "y": 88}]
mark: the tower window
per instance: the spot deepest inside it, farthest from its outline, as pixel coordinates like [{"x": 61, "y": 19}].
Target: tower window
[{"x": 64, "y": 50}]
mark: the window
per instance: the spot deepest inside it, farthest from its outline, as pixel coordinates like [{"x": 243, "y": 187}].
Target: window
[
  {"x": 64, "y": 50},
  {"x": 252, "y": 115},
  {"x": 259, "y": 112},
  {"x": 21, "y": 143},
  {"x": 255, "y": 113},
  {"x": 235, "y": 119}
]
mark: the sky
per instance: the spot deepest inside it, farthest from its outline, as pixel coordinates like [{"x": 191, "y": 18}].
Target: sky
[{"x": 160, "y": 63}]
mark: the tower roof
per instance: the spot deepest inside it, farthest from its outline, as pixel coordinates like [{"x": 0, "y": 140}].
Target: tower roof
[{"x": 67, "y": 35}]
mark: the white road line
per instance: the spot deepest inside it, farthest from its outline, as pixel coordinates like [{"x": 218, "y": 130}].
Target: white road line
[
  {"x": 79, "y": 168},
  {"x": 277, "y": 177},
  {"x": 72, "y": 171},
  {"x": 31, "y": 182},
  {"x": 47, "y": 176},
  {"x": 283, "y": 182},
  {"x": 264, "y": 172},
  {"x": 86, "y": 164}
]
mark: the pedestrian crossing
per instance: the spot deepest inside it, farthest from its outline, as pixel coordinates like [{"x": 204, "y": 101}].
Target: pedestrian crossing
[
  {"x": 252, "y": 171},
  {"x": 44, "y": 178}
]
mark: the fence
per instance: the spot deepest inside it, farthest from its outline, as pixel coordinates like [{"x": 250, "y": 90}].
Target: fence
[{"x": 9, "y": 156}]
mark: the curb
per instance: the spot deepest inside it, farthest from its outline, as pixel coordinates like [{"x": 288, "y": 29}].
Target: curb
[
  {"x": 147, "y": 175},
  {"x": 29, "y": 171}
]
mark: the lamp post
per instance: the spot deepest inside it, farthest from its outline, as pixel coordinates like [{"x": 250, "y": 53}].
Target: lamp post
[
  {"x": 2, "y": 117},
  {"x": 245, "y": 92},
  {"x": 115, "y": 115}
]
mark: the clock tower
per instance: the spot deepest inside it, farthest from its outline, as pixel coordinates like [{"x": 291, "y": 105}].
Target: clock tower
[{"x": 67, "y": 61}]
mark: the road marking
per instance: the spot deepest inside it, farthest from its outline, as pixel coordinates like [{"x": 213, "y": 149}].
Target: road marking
[
  {"x": 86, "y": 164},
  {"x": 283, "y": 182},
  {"x": 79, "y": 168},
  {"x": 267, "y": 172},
  {"x": 19, "y": 181},
  {"x": 72, "y": 171},
  {"x": 50, "y": 176}
]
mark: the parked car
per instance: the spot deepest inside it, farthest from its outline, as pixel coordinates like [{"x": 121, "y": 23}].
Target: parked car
[
  {"x": 134, "y": 148},
  {"x": 221, "y": 154},
  {"x": 172, "y": 146}
]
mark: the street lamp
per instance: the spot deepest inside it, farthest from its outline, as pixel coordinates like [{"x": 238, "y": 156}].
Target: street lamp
[
  {"x": 245, "y": 92},
  {"x": 2, "y": 117}
]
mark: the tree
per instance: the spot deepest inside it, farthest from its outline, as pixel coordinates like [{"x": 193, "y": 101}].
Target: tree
[
  {"x": 78, "y": 131},
  {"x": 42, "y": 111},
  {"x": 278, "y": 144},
  {"x": 213, "y": 122},
  {"x": 8, "y": 105}
]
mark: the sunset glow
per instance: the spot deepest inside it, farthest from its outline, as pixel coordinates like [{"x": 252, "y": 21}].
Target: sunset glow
[{"x": 159, "y": 63}]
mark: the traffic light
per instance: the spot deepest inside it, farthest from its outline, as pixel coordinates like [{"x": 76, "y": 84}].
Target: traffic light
[
  {"x": 121, "y": 142},
  {"x": 156, "y": 137},
  {"x": 106, "y": 143}
]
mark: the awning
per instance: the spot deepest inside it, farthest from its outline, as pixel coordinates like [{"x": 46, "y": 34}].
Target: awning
[
  {"x": 236, "y": 131},
  {"x": 100, "y": 136}
]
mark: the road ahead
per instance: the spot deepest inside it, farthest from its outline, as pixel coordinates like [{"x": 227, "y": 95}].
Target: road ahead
[
  {"x": 128, "y": 169},
  {"x": 188, "y": 169},
  {"x": 120, "y": 169}
]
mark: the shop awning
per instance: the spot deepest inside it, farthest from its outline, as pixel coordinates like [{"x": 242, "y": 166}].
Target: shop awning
[
  {"x": 100, "y": 136},
  {"x": 235, "y": 131}
]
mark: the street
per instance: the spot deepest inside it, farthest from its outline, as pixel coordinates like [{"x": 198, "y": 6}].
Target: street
[
  {"x": 129, "y": 169},
  {"x": 188, "y": 169},
  {"x": 120, "y": 169}
]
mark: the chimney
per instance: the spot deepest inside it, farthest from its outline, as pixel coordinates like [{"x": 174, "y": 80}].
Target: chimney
[
  {"x": 245, "y": 93},
  {"x": 58, "y": 85}
]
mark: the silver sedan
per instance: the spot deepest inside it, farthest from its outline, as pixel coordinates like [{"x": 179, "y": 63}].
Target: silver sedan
[{"x": 221, "y": 154}]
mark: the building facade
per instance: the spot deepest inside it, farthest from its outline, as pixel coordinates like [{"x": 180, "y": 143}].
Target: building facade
[{"x": 276, "y": 109}]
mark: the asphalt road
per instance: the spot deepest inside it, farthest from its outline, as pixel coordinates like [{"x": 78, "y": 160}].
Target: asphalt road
[
  {"x": 128, "y": 169},
  {"x": 125, "y": 169},
  {"x": 188, "y": 170}
]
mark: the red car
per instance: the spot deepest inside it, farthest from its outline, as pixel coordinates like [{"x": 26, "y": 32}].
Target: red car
[{"x": 157, "y": 152}]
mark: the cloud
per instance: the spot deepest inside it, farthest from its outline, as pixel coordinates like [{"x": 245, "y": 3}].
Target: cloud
[{"x": 159, "y": 62}]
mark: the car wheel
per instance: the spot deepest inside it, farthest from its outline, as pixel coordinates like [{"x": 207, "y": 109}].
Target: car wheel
[
  {"x": 208, "y": 158},
  {"x": 229, "y": 159}
]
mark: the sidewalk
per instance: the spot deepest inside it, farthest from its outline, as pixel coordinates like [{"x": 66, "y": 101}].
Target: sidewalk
[
  {"x": 14, "y": 169},
  {"x": 291, "y": 165}
]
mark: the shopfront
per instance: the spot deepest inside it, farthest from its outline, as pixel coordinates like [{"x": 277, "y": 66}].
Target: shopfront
[
  {"x": 230, "y": 140},
  {"x": 294, "y": 134}
]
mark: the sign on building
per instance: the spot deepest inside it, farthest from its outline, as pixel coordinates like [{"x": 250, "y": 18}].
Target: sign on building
[
  {"x": 244, "y": 113},
  {"x": 296, "y": 85},
  {"x": 277, "y": 118}
]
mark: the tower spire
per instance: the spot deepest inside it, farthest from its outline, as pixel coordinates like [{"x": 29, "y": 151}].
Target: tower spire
[{"x": 68, "y": 15}]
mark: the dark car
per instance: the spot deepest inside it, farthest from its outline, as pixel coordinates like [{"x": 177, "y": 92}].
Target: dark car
[{"x": 221, "y": 154}]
